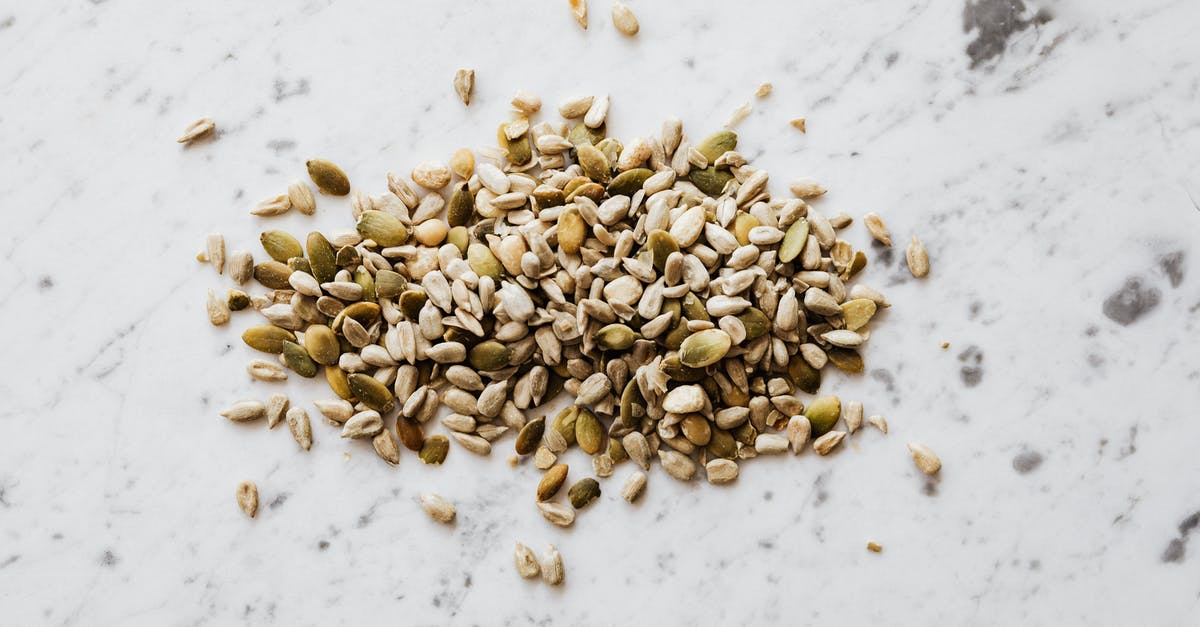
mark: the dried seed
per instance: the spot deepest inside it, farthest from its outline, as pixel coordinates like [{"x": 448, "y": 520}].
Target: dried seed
[
  {"x": 823, "y": 414},
  {"x": 473, "y": 443},
  {"x": 874, "y": 547},
  {"x": 677, "y": 465},
  {"x": 525, "y": 102},
  {"x": 925, "y": 458},
  {"x": 704, "y": 348},
  {"x": 763, "y": 90},
  {"x": 247, "y": 498},
  {"x": 878, "y": 422},
  {"x": 277, "y": 407},
  {"x": 917, "y": 257},
  {"x": 337, "y": 410},
  {"x": 464, "y": 84},
  {"x": 196, "y": 130},
  {"x": 300, "y": 427},
  {"x": 598, "y": 112},
  {"x": 552, "y": 562},
  {"x": 364, "y": 424},
  {"x": 438, "y": 507},
  {"x": 372, "y": 393},
  {"x": 214, "y": 248},
  {"x": 799, "y": 124},
  {"x": 798, "y": 431},
  {"x": 624, "y": 19},
  {"x": 430, "y": 175},
  {"x": 634, "y": 485},
  {"x": 854, "y": 415},
  {"x": 297, "y": 360},
  {"x": 273, "y": 206},
  {"x": 386, "y": 446},
  {"x": 684, "y": 399},
  {"x": 721, "y": 470},
  {"x": 544, "y": 458},
  {"x": 218, "y": 309},
  {"x": 434, "y": 449},
  {"x": 583, "y": 492},
  {"x": 738, "y": 115},
  {"x": 526, "y": 561},
  {"x": 328, "y": 177},
  {"x": 770, "y": 443},
  {"x": 558, "y": 514},
  {"x": 551, "y": 481},
  {"x": 241, "y": 266},
  {"x": 265, "y": 370},
  {"x": 877, "y": 229},
  {"x": 579, "y": 10},
  {"x": 826, "y": 443},
  {"x": 245, "y": 411},
  {"x": 807, "y": 188}
]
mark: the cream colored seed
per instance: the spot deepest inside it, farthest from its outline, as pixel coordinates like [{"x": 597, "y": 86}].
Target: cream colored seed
[
  {"x": 624, "y": 19},
  {"x": 247, "y": 498},
  {"x": 878, "y": 422},
  {"x": 301, "y": 197},
  {"x": 634, "y": 485},
  {"x": 925, "y": 458},
  {"x": 557, "y": 513},
  {"x": 763, "y": 90},
  {"x": 266, "y": 371},
  {"x": 218, "y": 309},
  {"x": 462, "y": 163},
  {"x": 575, "y": 107},
  {"x": 552, "y": 566},
  {"x": 196, "y": 130},
  {"x": 807, "y": 188},
  {"x": 853, "y": 415},
  {"x": 464, "y": 84},
  {"x": 877, "y": 229},
  {"x": 526, "y": 102},
  {"x": 738, "y": 115},
  {"x": 579, "y": 10},
  {"x": 526, "y": 561},
  {"x": 431, "y": 175},
  {"x": 917, "y": 257},
  {"x": 214, "y": 247},
  {"x": 300, "y": 426},
  {"x": 438, "y": 507},
  {"x": 273, "y": 206},
  {"x": 721, "y": 470},
  {"x": 826, "y": 443}
]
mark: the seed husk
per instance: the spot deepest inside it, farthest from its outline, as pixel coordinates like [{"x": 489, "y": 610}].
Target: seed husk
[
  {"x": 372, "y": 393},
  {"x": 557, "y": 514},
  {"x": 925, "y": 459},
  {"x": 917, "y": 258},
  {"x": 583, "y": 492},
  {"x": 704, "y": 348},
  {"x": 247, "y": 498},
  {"x": 823, "y": 414},
  {"x": 526, "y": 561},
  {"x": 328, "y": 177},
  {"x": 297, "y": 359},
  {"x": 438, "y": 507},
  {"x": 551, "y": 481},
  {"x": 464, "y": 84},
  {"x": 300, "y": 426}
]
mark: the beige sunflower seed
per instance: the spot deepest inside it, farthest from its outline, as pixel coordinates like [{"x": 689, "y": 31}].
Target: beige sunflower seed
[
  {"x": 245, "y": 411},
  {"x": 637, "y": 448},
  {"x": 634, "y": 485},
  {"x": 552, "y": 566},
  {"x": 597, "y": 113},
  {"x": 579, "y": 10},
  {"x": 196, "y": 130},
  {"x": 798, "y": 431},
  {"x": 464, "y": 84},
  {"x": 301, "y": 198},
  {"x": 868, "y": 293},
  {"x": 874, "y": 547},
  {"x": 473, "y": 443},
  {"x": 526, "y": 561},
  {"x": 364, "y": 424},
  {"x": 277, "y": 406},
  {"x": 241, "y": 266},
  {"x": 677, "y": 464},
  {"x": 854, "y": 416},
  {"x": 247, "y": 498},
  {"x": 602, "y": 465},
  {"x": 879, "y": 422},
  {"x": 925, "y": 458},
  {"x": 799, "y": 124},
  {"x": 575, "y": 107},
  {"x": 218, "y": 309},
  {"x": 336, "y": 409},
  {"x": 770, "y": 443},
  {"x": 265, "y": 370},
  {"x": 527, "y": 103},
  {"x": 624, "y": 19},
  {"x": 438, "y": 507},
  {"x": 214, "y": 250},
  {"x": 721, "y": 470},
  {"x": 387, "y": 446},
  {"x": 273, "y": 206},
  {"x": 300, "y": 427},
  {"x": 877, "y": 229},
  {"x": 826, "y": 443},
  {"x": 807, "y": 188},
  {"x": 763, "y": 90},
  {"x": 917, "y": 257},
  {"x": 430, "y": 175},
  {"x": 557, "y": 513},
  {"x": 843, "y": 337}
]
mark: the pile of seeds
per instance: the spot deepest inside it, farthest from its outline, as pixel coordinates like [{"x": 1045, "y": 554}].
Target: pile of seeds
[{"x": 656, "y": 281}]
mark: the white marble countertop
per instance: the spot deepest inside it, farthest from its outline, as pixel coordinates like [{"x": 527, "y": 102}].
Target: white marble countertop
[{"x": 1048, "y": 155}]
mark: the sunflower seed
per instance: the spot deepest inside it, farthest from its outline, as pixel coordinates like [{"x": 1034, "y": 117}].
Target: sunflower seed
[
  {"x": 336, "y": 410},
  {"x": 738, "y": 115},
  {"x": 273, "y": 206},
  {"x": 473, "y": 443},
  {"x": 877, "y": 229},
  {"x": 579, "y": 10},
  {"x": 677, "y": 465},
  {"x": 917, "y": 258},
  {"x": 854, "y": 416},
  {"x": 526, "y": 561},
  {"x": 826, "y": 443},
  {"x": 598, "y": 112},
  {"x": 878, "y": 422},
  {"x": 196, "y": 130},
  {"x": 387, "y": 446},
  {"x": 806, "y": 188},
  {"x": 247, "y": 498},
  {"x": 558, "y": 514},
  {"x": 925, "y": 458},
  {"x": 437, "y": 507},
  {"x": 218, "y": 309},
  {"x": 245, "y": 411},
  {"x": 464, "y": 84},
  {"x": 552, "y": 564},
  {"x": 634, "y": 485},
  {"x": 277, "y": 407},
  {"x": 624, "y": 19},
  {"x": 721, "y": 470},
  {"x": 364, "y": 424},
  {"x": 300, "y": 427}
]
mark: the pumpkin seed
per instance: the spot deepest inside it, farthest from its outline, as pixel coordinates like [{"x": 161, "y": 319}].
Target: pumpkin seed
[
  {"x": 267, "y": 338},
  {"x": 383, "y": 228},
  {"x": 328, "y": 177},
  {"x": 434, "y": 449},
  {"x": 583, "y": 492},
  {"x": 372, "y": 393},
  {"x": 823, "y": 414},
  {"x": 589, "y": 434},
  {"x": 704, "y": 348}
]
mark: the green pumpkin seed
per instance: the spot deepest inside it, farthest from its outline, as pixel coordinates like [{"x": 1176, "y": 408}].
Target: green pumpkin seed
[
  {"x": 462, "y": 206},
  {"x": 823, "y": 414},
  {"x": 321, "y": 257},
  {"x": 704, "y": 348},
  {"x": 384, "y": 228},
  {"x": 675, "y": 369},
  {"x": 434, "y": 450},
  {"x": 336, "y": 378},
  {"x": 594, "y": 163},
  {"x": 530, "y": 435},
  {"x": 580, "y": 135},
  {"x": 519, "y": 150},
  {"x": 348, "y": 257},
  {"x": 572, "y": 230},
  {"x": 717, "y": 144},
  {"x": 793, "y": 241},
  {"x": 322, "y": 344},
  {"x": 299, "y": 264},
  {"x": 615, "y": 337},
  {"x": 364, "y": 280},
  {"x": 845, "y": 359},
  {"x": 280, "y": 245},
  {"x": 710, "y": 180},
  {"x": 267, "y": 338},
  {"x": 629, "y": 181},
  {"x": 803, "y": 375},
  {"x": 588, "y": 431},
  {"x": 297, "y": 359},
  {"x": 693, "y": 309},
  {"x": 490, "y": 355},
  {"x": 273, "y": 274},
  {"x": 548, "y": 196},
  {"x": 389, "y": 284},
  {"x": 583, "y": 492},
  {"x": 328, "y": 177},
  {"x": 660, "y": 244},
  {"x": 372, "y": 393},
  {"x": 411, "y": 303},
  {"x": 483, "y": 262},
  {"x": 742, "y": 225},
  {"x": 460, "y": 237},
  {"x": 412, "y": 435},
  {"x": 755, "y": 322},
  {"x": 564, "y": 423},
  {"x": 721, "y": 444}
]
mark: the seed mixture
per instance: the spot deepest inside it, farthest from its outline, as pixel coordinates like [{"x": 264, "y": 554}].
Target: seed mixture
[{"x": 656, "y": 281}]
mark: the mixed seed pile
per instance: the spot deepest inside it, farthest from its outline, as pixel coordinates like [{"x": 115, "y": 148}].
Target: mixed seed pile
[{"x": 657, "y": 281}]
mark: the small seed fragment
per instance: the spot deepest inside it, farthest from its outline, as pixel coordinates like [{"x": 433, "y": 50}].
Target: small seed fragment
[
  {"x": 579, "y": 10},
  {"x": 526, "y": 561},
  {"x": 878, "y": 422},
  {"x": 799, "y": 124},
  {"x": 218, "y": 309},
  {"x": 925, "y": 458},
  {"x": 438, "y": 507},
  {"x": 247, "y": 498},
  {"x": 196, "y": 130}
]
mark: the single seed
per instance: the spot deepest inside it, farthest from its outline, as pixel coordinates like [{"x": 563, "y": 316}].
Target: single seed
[
  {"x": 917, "y": 257},
  {"x": 464, "y": 84},
  {"x": 196, "y": 130},
  {"x": 624, "y": 19},
  {"x": 826, "y": 443},
  {"x": 799, "y": 124},
  {"x": 265, "y": 371},
  {"x": 551, "y": 482},
  {"x": 878, "y": 422},
  {"x": 877, "y": 229},
  {"x": 526, "y": 561},
  {"x": 579, "y": 10},
  {"x": 557, "y": 514},
  {"x": 277, "y": 407},
  {"x": 328, "y": 177},
  {"x": 552, "y": 562},
  {"x": 583, "y": 492},
  {"x": 434, "y": 449},
  {"x": 301, "y": 428},
  {"x": 247, "y": 498},
  {"x": 438, "y": 507},
  {"x": 925, "y": 458},
  {"x": 245, "y": 411},
  {"x": 721, "y": 470},
  {"x": 634, "y": 485}
]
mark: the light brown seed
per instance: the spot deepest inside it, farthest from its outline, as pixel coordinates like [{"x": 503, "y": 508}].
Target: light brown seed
[
  {"x": 218, "y": 309},
  {"x": 575, "y": 107},
  {"x": 721, "y": 470},
  {"x": 925, "y": 458},
  {"x": 826, "y": 443},
  {"x": 544, "y": 458},
  {"x": 527, "y": 103},
  {"x": 526, "y": 561},
  {"x": 464, "y": 84},
  {"x": 557, "y": 513},
  {"x": 364, "y": 424},
  {"x": 634, "y": 485},
  {"x": 438, "y": 507},
  {"x": 677, "y": 464},
  {"x": 552, "y": 566},
  {"x": 245, "y": 411},
  {"x": 462, "y": 163},
  {"x": 336, "y": 409},
  {"x": 874, "y": 547},
  {"x": 273, "y": 206},
  {"x": 300, "y": 426},
  {"x": 917, "y": 257},
  {"x": 878, "y": 422},
  {"x": 579, "y": 10},
  {"x": 807, "y": 188},
  {"x": 764, "y": 90},
  {"x": 551, "y": 482},
  {"x": 247, "y": 498},
  {"x": 196, "y": 130},
  {"x": 277, "y": 407},
  {"x": 624, "y": 19},
  {"x": 387, "y": 446},
  {"x": 799, "y": 124},
  {"x": 301, "y": 198},
  {"x": 878, "y": 230},
  {"x": 474, "y": 443},
  {"x": 214, "y": 248}
]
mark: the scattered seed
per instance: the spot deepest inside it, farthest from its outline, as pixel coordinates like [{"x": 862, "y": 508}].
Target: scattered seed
[
  {"x": 464, "y": 84},
  {"x": 826, "y": 443},
  {"x": 583, "y": 492},
  {"x": 799, "y": 124},
  {"x": 738, "y": 115},
  {"x": 925, "y": 458},
  {"x": 874, "y": 547},
  {"x": 438, "y": 507},
  {"x": 247, "y": 498},
  {"x": 552, "y": 566},
  {"x": 624, "y": 19},
  {"x": 245, "y": 411},
  {"x": 721, "y": 470},
  {"x": 300, "y": 427},
  {"x": 917, "y": 257},
  {"x": 579, "y": 10},
  {"x": 877, "y": 229},
  {"x": 196, "y": 130},
  {"x": 328, "y": 177},
  {"x": 526, "y": 561},
  {"x": 557, "y": 513},
  {"x": 763, "y": 90}
]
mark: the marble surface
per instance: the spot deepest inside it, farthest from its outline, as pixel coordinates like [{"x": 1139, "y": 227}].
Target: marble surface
[{"x": 1046, "y": 152}]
